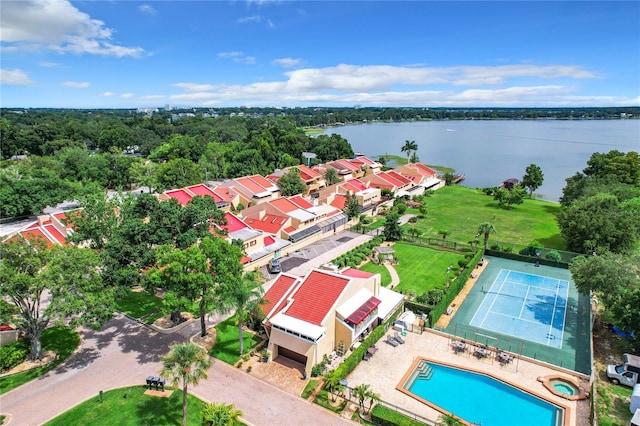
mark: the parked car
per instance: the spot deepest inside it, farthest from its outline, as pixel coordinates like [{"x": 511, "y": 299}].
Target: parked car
[
  {"x": 274, "y": 266},
  {"x": 627, "y": 373}
]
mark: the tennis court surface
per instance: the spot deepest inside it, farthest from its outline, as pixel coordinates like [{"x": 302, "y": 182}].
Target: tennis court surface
[
  {"x": 533, "y": 311},
  {"x": 523, "y": 305}
]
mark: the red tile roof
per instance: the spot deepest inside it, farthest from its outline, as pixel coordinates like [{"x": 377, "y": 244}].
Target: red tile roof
[
  {"x": 36, "y": 234},
  {"x": 356, "y": 273},
  {"x": 339, "y": 201},
  {"x": 233, "y": 223},
  {"x": 356, "y": 183},
  {"x": 226, "y": 194},
  {"x": 389, "y": 178},
  {"x": 203, "y": 191},
  {"x": 180, "y": 195},
  {"x": 283, "y": 205},
  {"x": 263, "y": 182},
  {"x": 281, "y": 286},
  {"x": 301, "y": 202},
  {"x": 316, "y": 296},
  {"x": 310, "y": 173},
  {"x": 268, "y": 240},
  {"x": 425, "y": 169},
  {"x": 399, "y": 177},
  {"x": 269, "y": 223},
  {"x": 363, "y": 311},
  {"x": 250, "y": 185}
]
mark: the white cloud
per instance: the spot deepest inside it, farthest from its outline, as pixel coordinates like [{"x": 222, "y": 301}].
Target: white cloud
[
  {"x": 49, "y": 64},
  {"x": 59, "y": 26},
  {"x": 77, "y": 84},
  {"x": 238, "y": 57},
  {"x": 194, "y": 87},
  {"x": 147, "y": 9},
  {"x": 416, "y": 85},
  {"x": 152, "y": 97},
  {"x": 287, "y": 62},
  {"x": 127, "y": 95},
  {"x": 107, "y": 94},
  {"x": 15, "y": 77},
  {"x": 250, "y": 19}
]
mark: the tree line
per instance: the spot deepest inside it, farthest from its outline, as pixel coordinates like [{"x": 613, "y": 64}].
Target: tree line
[
  {"x": 601, "y": 217},
  {"x": 62, "y": 155}
]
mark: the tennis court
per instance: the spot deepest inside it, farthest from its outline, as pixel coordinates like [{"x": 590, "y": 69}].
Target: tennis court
[
  {"x": 531, "y": 307},
  {"x": 535, "y": 311}
]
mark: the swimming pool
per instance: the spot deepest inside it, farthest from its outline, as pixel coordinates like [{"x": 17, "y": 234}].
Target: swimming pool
[{"x": 478, "y": 398}]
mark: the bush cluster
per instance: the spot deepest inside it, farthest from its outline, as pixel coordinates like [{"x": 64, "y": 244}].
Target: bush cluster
[
  {"x": 13, "y": 354},
  {"x": 384, "y": 416},
  {"x": 455, "y": 288},
  {"x": 355, "y": 257}
]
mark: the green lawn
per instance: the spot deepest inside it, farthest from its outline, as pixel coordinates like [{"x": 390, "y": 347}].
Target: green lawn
[
  {"x": 378, "y": 269},
  {"x": 133, "y": 410},
  {"x": 461, "y": 210},
  {"x": 63, "y": 340},
  {"x": 421, "y": 269},
  {"x": 138, "y": 304},
  {"x": 227, "y": 347}
]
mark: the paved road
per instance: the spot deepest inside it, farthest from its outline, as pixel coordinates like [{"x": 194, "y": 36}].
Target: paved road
[{"x": 123, "y": 353}]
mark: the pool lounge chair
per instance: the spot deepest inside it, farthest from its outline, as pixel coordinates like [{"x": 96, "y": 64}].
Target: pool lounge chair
[
  {"x": 391, "y": 341},
  {"x": 398, "y": 338}
]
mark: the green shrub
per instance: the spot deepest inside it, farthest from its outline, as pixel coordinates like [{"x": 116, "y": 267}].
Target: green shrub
[
  {"x": 507, "y": 249},
  {"x": 553, "y": 256},
  {"x": 532, "y": 249},
  {"x": 309, "y": 388},
  {"x": 462, "y": 263},
  {"x": 384, "y": 416},
  {"x": 13, "y": 354}
]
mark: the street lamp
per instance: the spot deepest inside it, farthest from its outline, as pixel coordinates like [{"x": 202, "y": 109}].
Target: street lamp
[
  {"x": 448, "y": 270},
  {"x": 476, "y": 241}
]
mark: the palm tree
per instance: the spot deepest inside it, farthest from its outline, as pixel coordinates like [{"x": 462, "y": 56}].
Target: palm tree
[
  {"x": 409, "y": 147},
  {"x": 485, "y": 229},
  {"x": 332, "y": 381},
  {"x": 448, "y": 420},
  {"x": 444, "y": 234},
  {"x": 186, "y": 363},
  {"x": 373, "y": 398},
  {"x": 361, "y": 392},
  {"x": 221, "y": 414},
  {"x": 245, "y": 298}
]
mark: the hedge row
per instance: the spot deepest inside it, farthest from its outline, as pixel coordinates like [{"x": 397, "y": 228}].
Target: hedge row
[
  {"x": 356, "y": 356},
  {"x": 383, "y": 416},
  {"x": 455, "y": 288},
  {"x": 529, "y": 259},
  {"x": 354, "y": 257}
]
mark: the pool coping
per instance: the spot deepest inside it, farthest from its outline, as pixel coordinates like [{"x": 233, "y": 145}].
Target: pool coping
[
  {"x": 546, "y": 382},
  {"x": 566, "y": 415}
]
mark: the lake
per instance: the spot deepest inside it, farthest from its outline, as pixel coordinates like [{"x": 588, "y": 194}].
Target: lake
[{"x": 488, "y": 152}]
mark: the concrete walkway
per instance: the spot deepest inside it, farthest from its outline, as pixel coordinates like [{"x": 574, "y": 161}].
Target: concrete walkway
[{"x": 123, "y": 353}]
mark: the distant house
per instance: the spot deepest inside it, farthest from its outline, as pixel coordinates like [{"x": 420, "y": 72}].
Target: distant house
[
  {"x": 312, "y": 316},
  {"x": 509, "y": 183}
]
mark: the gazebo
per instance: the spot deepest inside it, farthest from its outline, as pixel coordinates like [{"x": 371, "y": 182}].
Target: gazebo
[{"x": 384, "y": 253}]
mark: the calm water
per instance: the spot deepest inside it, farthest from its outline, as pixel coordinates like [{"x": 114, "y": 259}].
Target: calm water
[
  {"x": 481, "y": 399},
  {"x": 488, "y": 152}
]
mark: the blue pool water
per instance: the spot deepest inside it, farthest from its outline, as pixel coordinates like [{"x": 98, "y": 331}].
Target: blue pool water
[{"x": 481, "y": 399}]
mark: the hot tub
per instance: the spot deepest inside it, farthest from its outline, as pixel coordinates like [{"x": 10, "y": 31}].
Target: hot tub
[{"x": 564, "y": 387}]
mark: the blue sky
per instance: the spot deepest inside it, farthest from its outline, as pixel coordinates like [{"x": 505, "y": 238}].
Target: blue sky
[{"x": 115, "y": 54}]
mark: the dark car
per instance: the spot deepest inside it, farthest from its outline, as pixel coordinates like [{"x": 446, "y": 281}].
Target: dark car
[{"x": 274, "y": 266}]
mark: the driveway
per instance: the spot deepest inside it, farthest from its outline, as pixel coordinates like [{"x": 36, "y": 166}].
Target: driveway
[{"x": 123, "y": 353}]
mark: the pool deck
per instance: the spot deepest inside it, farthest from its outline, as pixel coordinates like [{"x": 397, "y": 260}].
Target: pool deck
[{"x": 390, "y": 366}]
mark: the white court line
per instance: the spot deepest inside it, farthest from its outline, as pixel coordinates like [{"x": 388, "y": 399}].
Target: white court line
[
  {"x": 494, "y": 298},
  {"x": 524, "y": 301}
]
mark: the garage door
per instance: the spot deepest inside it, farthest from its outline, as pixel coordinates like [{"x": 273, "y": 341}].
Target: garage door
[{"x": 288, "y": 353}]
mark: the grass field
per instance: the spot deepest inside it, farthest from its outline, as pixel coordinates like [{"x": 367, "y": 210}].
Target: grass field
[
  {"x": 62, "y": 340},
  {"x": 138, "y": 304},
  {"x": 460, "y": 210},
  {"x": 133, "y": 410},
  {"x": 378, "y": 269},
  {"x": 227, "y": 347},
  {"x": 421, "y": 269}
]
